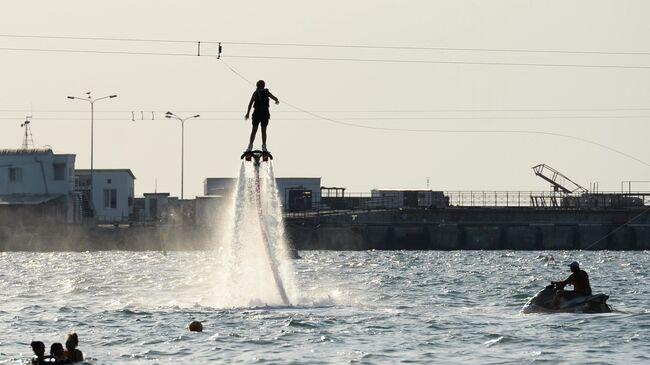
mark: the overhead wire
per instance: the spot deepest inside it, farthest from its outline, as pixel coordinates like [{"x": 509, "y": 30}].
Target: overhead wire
[
  {"x": 318, "y": 116},
  {"x": 333, "y": 59},
  {"x": 35, "y": 36},
  {"x": 336, "y": 59},
  {"x": 415, "y": 48},
  {"x": 382, "y": 118},
  {"x": 480, "y": 63},
  {"x": 380, "y": 111},
  {"x": 450, "y": 131},
  {"x": 616, "y": 229},
  {"x": 97, "y": 51},
  {"x": 330, "y": 45}
]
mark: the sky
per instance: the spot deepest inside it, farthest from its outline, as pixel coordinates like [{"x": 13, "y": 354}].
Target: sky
[{"x": 484, "y": 90}]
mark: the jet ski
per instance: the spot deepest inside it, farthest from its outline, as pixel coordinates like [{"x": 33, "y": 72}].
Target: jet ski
[{"x": 542, "y": 303}]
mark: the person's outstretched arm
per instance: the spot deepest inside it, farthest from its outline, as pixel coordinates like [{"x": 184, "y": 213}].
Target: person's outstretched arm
[
  {"x": 250, "y": 104},
  {"x": 274, "y": 98},
  {"x": 563, "y": 282}
]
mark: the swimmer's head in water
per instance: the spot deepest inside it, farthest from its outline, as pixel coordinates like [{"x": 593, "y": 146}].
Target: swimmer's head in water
[
  {"x": 72, "y": 341},
  {"x": 196, "y": 326},
  {"x": 56, "y": 349},
  {"x": 38, "y": 347},
  {"x": 261, "y": 84}
]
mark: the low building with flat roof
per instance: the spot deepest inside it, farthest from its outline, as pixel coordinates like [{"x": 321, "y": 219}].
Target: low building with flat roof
[
  {"x": 38, "y": 177},
  {"x": 112, "y": 193},
  {"x": 296, "y": 193}
]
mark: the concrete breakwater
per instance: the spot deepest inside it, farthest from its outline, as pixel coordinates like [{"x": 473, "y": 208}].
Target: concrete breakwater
[
  {"x": 475, "y": 229},
  {"x": 452, "y": 228},
  {"x": 45, "y": 238}
]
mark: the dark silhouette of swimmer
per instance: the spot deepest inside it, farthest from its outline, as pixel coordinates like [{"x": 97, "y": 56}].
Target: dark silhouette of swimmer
[
  {"x": 39, "y": 353},
  {"x": 58, "y": 354},
  {"x": 580, "y": 281},
  {"x": 261, "y": 114},
  {"x": 73, "y": 354}
]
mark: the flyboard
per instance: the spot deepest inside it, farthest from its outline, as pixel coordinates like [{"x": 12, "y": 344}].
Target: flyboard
[{"x": 257, "y": 157}]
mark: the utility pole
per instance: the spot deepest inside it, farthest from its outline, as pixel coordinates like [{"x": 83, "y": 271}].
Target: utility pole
[
  {"x": 92, "y": 101},
  {"x": 171, "y": 115}
]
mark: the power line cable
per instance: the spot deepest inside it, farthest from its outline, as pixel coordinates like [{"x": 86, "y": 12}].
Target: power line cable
[
  {"x": 333, "y": 59},
  {"x": 98, "y": 38},
  {"x": 463, "y": 110},
  {"x": 390, "y": 129},
  {"x": 617, "y": 229},
  {"x": 385, "y": 60},
  {"x": 99, "y": 52},
  {"x": 415, "y": 48},
  {"x": 383, "y": 118},
  {"x": 326, "y": 45}
]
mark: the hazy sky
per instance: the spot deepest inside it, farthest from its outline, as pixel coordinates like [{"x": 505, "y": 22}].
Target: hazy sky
[{"x": 610, "y": 106}]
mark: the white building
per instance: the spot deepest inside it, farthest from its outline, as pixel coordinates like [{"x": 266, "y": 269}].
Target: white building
[
  {"x": 38, "y": 176},
  {"x": 156, "y": 206},
  {"x": 299, "y": 193},
  {"x": 296, "y": 193},
  {"x": 37, "y": 171},
  {"x": 113, "y": 192}
]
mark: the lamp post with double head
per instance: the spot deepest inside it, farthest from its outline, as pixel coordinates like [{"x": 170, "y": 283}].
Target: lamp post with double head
[
  {"x": 171, "y": 115},
  {"x": 89, "y": 98}
]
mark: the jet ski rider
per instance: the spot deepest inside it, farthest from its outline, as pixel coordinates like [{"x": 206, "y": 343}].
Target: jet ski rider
[{"x": 580, "y": 281}]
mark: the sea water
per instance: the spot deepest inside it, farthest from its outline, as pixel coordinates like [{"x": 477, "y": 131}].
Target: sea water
[{"x": 368, "y": 307}]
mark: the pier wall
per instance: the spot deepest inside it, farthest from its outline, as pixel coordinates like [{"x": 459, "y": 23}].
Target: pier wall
[
  {"x": 474, "y": 229},
  {"x": 450, "y": 228}
]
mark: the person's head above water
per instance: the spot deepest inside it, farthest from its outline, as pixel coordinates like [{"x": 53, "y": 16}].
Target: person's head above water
[
  {"x": 261, "y": 84},
  {"x": 575, "y": 266},
  {"x": 38, "y": 347},
  {"x": 71, "y": 341},
  {"x": 56, "y": 350}
]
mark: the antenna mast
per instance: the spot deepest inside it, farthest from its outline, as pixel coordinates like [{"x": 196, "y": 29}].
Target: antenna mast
[{"x": 28, "y": 139}]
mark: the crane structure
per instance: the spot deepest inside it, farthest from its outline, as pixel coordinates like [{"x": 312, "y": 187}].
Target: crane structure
[{"x": 559, "y": 182}]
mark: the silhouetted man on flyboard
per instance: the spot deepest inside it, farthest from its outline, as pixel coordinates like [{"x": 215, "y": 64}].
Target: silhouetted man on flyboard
[{"x": 261, "y": 114}]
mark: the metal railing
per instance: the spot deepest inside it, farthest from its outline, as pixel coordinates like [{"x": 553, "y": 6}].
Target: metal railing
[
  {"x": 480, "y": 199},
  {"x": 504, "y": 198}
]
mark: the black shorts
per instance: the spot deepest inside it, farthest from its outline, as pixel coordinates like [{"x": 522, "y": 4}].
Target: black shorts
[{"x": 261, "y": 118}]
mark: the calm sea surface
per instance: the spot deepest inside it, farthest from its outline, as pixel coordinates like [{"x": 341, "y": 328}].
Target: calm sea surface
[{"x": 361, "y": 307}]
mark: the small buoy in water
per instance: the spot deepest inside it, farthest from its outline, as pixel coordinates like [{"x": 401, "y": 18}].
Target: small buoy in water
[{"x": 196, "y": 326}]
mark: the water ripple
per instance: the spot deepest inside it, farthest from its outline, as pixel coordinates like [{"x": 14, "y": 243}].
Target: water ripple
[{"x": 358, "y": 307}]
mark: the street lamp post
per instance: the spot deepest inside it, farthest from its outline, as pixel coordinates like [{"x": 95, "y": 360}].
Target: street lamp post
[
  {"x": 92, "y": 101},
  {"x": 182, "y": 120}
]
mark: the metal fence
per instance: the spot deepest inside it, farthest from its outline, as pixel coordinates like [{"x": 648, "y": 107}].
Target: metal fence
[
  {"x": 485, "y": 199},
  {"x": 492, "y": 198}
]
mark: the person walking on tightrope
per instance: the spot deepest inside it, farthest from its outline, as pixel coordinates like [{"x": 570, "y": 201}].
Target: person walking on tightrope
[{"x": 261, "y": 114}]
